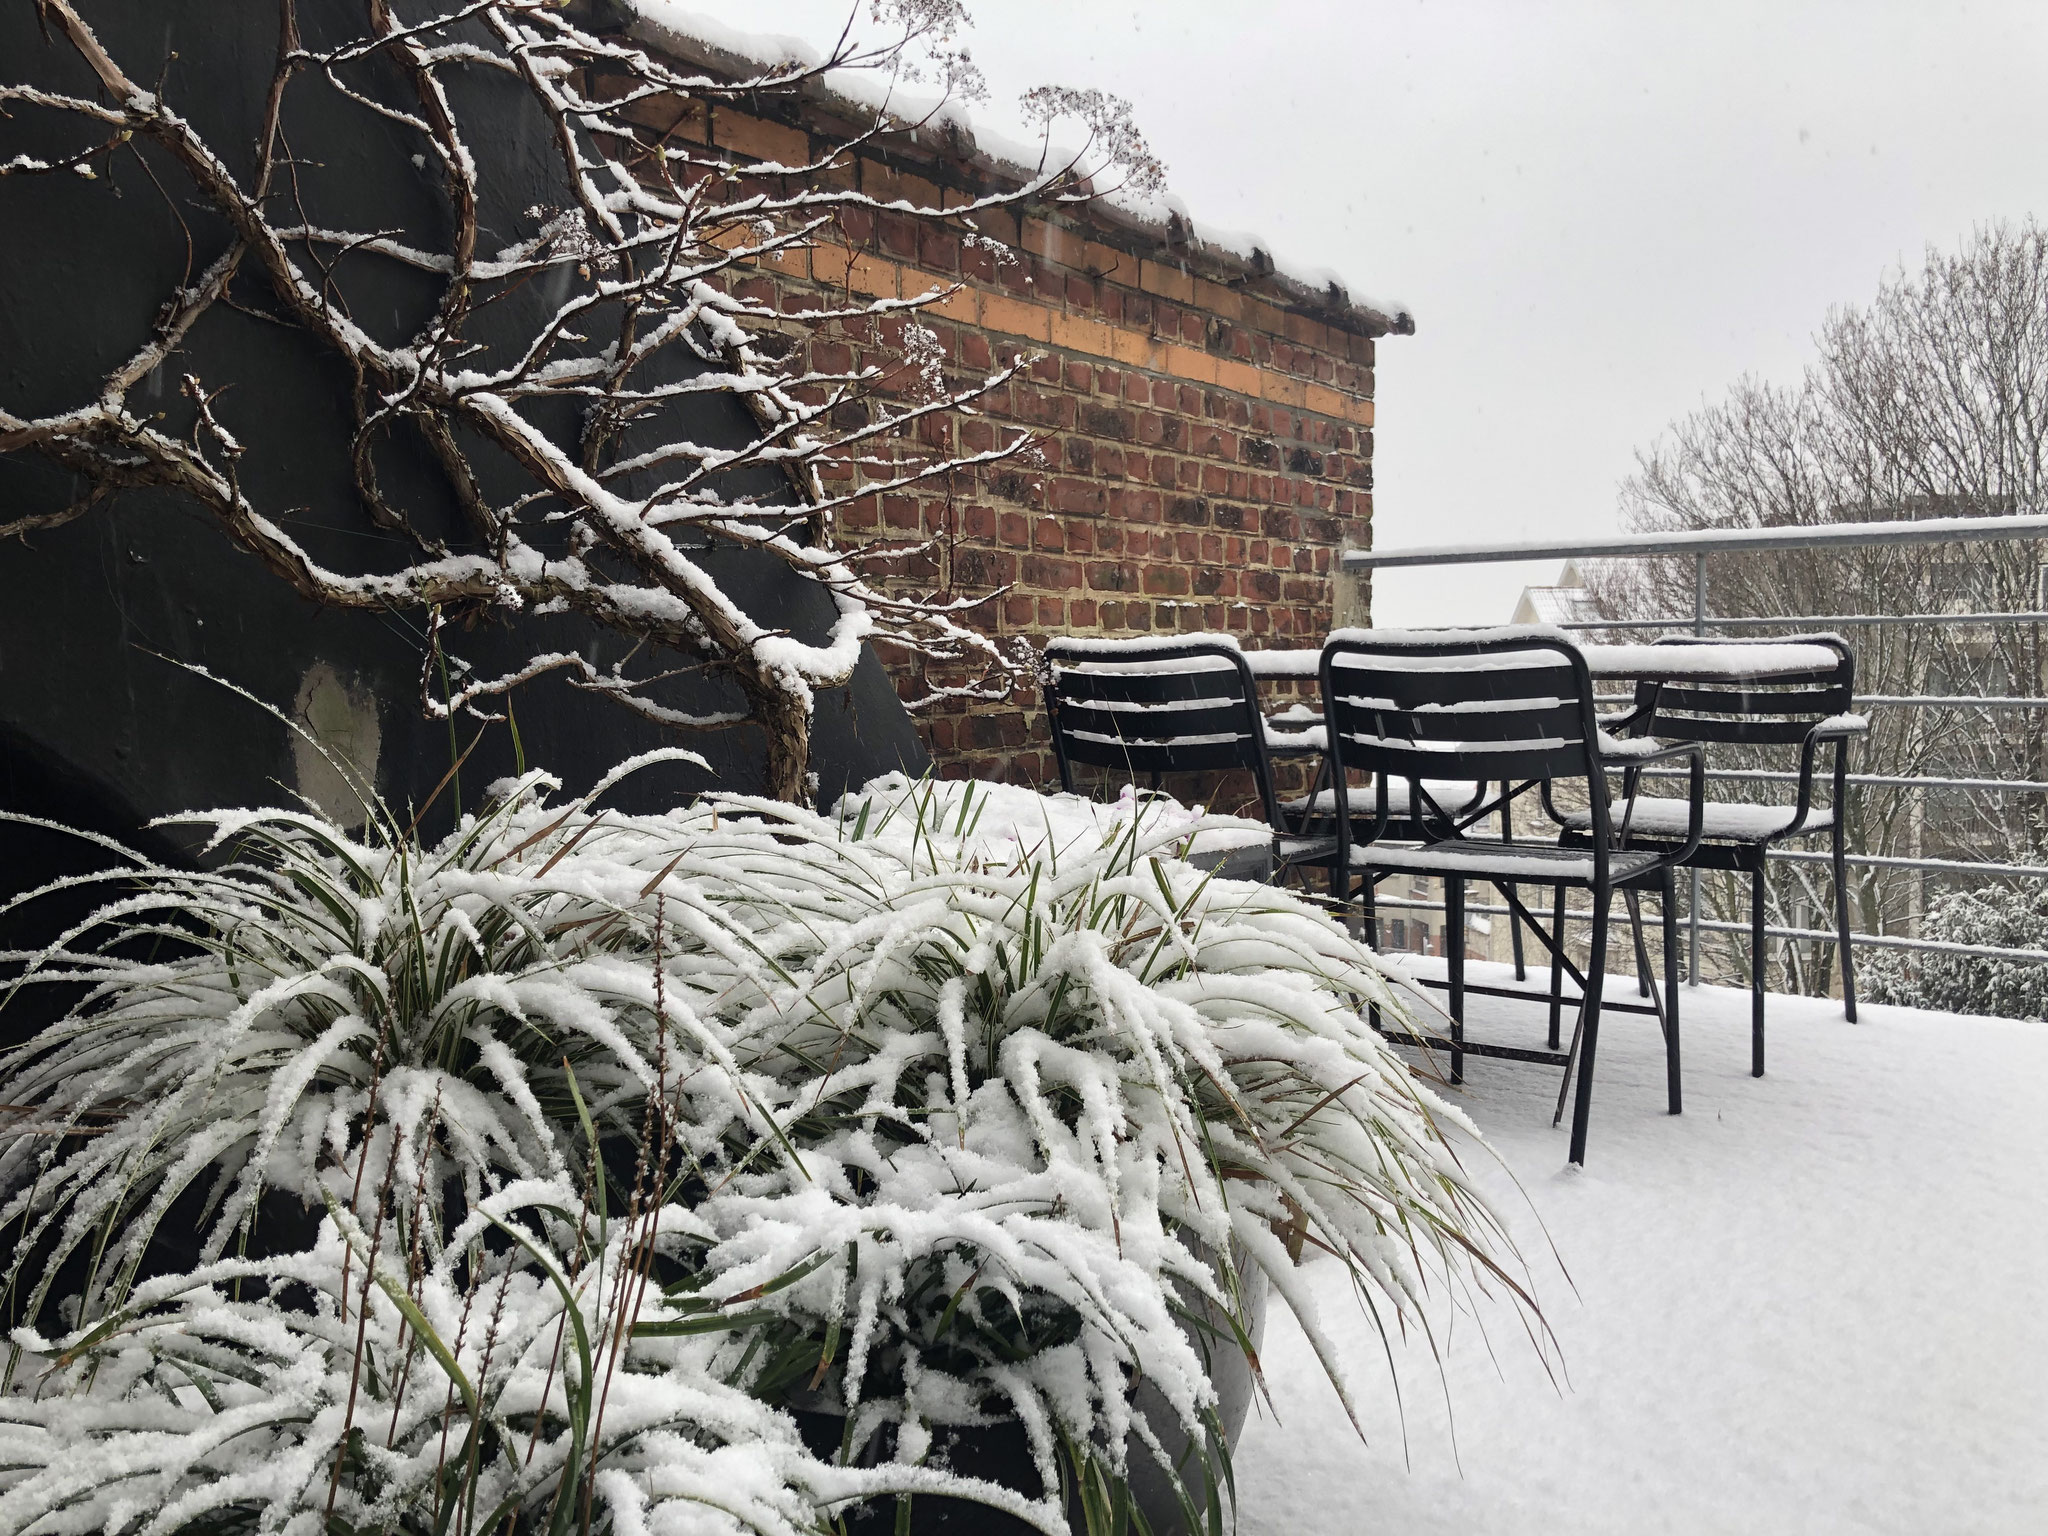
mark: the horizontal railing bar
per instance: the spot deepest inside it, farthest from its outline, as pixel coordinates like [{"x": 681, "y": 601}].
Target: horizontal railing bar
[
  {"x": 1939, "y": 700},
  {"x": 1873, "y": 780},
  {"x": 1900, "y": 700},
  {"x": 1860, "y": 940},
  {"x": 1809, "y": 623},
  {"x": 1930, "y": 530},
  {"x": 1931, "y": 866},
  {"x": 1896, "y": 861}
]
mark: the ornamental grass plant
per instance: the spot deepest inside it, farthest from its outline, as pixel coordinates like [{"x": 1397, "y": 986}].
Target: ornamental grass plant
[{"x": 546, "y": 1178}]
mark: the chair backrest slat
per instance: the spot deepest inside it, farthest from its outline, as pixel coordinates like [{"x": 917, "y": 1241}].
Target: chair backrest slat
[
  {"x": 1094, "y": 684},
  {"x": 1432, "y": 727},
  {"x": 1138, "y": 757},
  {"x": 1184, "y": 720}
]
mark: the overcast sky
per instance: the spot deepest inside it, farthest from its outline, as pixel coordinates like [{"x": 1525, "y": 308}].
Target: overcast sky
[{"x": 1601, "y": 213}]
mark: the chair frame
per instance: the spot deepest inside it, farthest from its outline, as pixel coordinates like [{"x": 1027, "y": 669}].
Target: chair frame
[
  {"x": 1742, "y": 713},
  {"x": 1448, "y": 706},
  {"x": 1114, "y": 700}
]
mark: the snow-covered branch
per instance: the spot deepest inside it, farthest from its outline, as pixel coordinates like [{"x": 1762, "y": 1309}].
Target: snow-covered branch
[{"x": 622, "y": 294}]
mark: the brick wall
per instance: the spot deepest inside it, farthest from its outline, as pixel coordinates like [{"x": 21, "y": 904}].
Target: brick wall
[{"x": 1206, "y": 424}]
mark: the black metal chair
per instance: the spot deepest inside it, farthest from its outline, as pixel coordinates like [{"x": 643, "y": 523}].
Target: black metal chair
[
  {"x": 1809, "y": 712},
  {"x": 1154, "y": 707},
  {"x": 1514, "y": 707}
]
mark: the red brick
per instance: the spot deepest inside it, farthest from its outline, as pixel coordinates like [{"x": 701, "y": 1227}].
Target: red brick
[{"x": 1044, "y": 571}]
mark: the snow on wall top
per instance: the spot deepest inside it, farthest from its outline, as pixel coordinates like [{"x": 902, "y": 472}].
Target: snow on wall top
[{"x": 673, "y": 27}]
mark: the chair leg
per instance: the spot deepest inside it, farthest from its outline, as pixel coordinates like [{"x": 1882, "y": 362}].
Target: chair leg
[
  {"x": 1454, "y": 959},
  {"x": 1759, "y": 962},
  {"x": 1635, "y": 913},
  {"x": 1507, "y": 832},
  {"x": 1672, "y": 1090},
  {"x": 1589, "y": 1040},
  {"x": 1515, "y": 937},
  {"x": 1843, "y": 948},
  {"x": 1556, "y": 964}
]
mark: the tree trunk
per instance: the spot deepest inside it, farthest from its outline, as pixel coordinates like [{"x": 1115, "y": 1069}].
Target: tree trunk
[{"x": 785, "y": 721}]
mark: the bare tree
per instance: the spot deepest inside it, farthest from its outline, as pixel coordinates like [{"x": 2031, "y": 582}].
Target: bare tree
[
  {"x": 571, "y": 433},
  {"x": 1931, "y": 402}
]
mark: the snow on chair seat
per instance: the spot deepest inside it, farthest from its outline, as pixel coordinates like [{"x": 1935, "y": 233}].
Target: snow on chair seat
[
  {"x": 1488, "y": 859},
  {"x": 1656, "y": 816}
]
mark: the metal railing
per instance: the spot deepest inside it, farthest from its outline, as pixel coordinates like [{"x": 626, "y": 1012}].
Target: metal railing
[{"x": 1700, "y": 546}]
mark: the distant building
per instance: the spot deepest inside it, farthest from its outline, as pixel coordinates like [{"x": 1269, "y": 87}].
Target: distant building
[{"x": 1565, "y": 602}]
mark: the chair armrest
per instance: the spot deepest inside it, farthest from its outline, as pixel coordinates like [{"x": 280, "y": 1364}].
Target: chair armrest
[
  {"x": 1641, "y": 751},
  {"x": 1633, "y": 762},
  {"x": 1308, "y": 741},
  {"x": 1839, "y": 728},
  {"x": 1637, "y": 715}
]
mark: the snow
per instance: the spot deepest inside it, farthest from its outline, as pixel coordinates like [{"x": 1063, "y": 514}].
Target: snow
[
  {"x": 1809, "y": 1304},
  {"x": 1490, "y": 859},
  {"x": 1710, "y": 661},
  {"x": 1305, "y": 662},
  {"x": 1283, "y": 663},
  {"x": 1084, "y": 645},
  {"x": 1491, "y": 634},
  {"x": 1002, "y": 823},
  {"x": 674, "y": 24},
  {"x": 1707, "y": 662},
  {"x": 1655, "y": 816},
  {"x": 1629, "y": 746}
]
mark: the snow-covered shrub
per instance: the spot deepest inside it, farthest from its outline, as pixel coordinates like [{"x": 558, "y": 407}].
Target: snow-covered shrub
[
  {"x": 1999, "y": 917},
  {"x": 1033, "y": 1093},
  {"x": 619, "y": 1133}
]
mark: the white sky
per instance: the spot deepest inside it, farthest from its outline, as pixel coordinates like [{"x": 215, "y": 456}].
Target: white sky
[{"x": 1601, "y": 212}]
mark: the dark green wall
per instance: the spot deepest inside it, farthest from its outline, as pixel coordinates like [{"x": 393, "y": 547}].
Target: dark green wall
[{"x": 90, "y": 713}]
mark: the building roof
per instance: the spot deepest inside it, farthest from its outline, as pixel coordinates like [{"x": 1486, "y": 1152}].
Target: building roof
[
  {"x": 1162, "y": 229},
  {"x": 1565, "y": 602}
]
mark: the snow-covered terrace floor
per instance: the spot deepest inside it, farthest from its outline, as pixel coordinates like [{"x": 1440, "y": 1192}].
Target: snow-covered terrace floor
[{"x": 1815, "y": 1302}]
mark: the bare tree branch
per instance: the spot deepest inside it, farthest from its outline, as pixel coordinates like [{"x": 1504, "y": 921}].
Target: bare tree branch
[{"x": 643, "y": 259}]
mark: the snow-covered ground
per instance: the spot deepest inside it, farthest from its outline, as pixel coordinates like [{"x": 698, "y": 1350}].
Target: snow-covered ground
[{"x": 1815, "y": 1302}]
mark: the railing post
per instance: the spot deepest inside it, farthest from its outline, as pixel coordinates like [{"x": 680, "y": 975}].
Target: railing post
[{"x": 1692, "y": 918}]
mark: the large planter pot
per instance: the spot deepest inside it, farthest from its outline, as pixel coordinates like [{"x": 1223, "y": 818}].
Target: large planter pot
[{"x": 1001, "y": 1454}]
